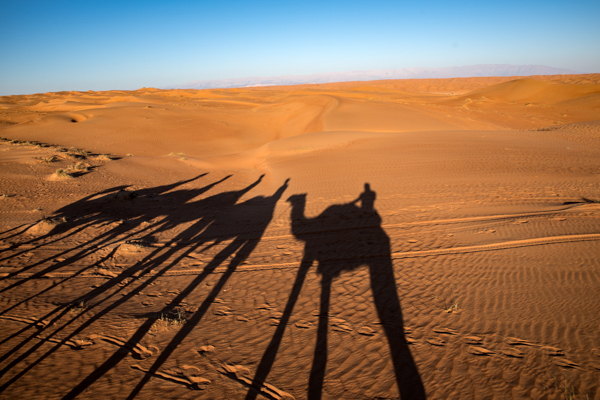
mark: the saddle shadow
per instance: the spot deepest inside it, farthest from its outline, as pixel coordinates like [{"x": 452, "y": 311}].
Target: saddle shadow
[{"x": 343, "y": 238}]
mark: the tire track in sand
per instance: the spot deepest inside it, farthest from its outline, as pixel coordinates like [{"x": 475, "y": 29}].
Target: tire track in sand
[{"x": 513, "y": 244}]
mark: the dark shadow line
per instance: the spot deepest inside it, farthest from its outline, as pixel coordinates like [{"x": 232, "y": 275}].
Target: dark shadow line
[
  {"x": 268, "y": 358},
  {"x": 153, "y": 260}
]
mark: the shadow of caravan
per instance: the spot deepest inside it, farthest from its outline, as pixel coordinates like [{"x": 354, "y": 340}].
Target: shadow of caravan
[{"x": 343, "y": 238}]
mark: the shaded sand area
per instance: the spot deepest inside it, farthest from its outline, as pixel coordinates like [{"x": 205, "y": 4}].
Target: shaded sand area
[{"x": 363, "y": 240}]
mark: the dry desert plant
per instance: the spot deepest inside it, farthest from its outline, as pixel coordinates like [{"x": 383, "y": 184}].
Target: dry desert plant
[
  {"x": 61, "y": 173},
  {"x": 451, "y": 306},
  {"x": 50, "y": 159},
  {"x": 78, "y": 306},
  {"x": 77, "y": 154},
  {"x": 79, "y": 167},
  {"x": 173, "y": 318},
  {"x": 103, "y": 157}
]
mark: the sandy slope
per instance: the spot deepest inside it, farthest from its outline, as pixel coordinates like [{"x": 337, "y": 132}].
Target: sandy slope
[{"x": 224, "y": 243}]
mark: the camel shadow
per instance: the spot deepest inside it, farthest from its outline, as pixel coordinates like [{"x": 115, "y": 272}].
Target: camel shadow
[
  {"x": 233, "y": 228},
  {"x": 345, "y": 237}
]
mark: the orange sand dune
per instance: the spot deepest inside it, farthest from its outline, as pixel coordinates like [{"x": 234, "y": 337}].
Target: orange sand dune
[{"x": 389, "y": 239}]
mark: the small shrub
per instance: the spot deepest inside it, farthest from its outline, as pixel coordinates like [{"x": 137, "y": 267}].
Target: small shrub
[
  {"x": 103, "y": 157},
  {"x": 61, "y": 173},
  {"x": 50, "y": 159},
  {"x": 78, "y": 306},
  {"x": 79, "y": 167},
  {"x": 174, "y": 318}
]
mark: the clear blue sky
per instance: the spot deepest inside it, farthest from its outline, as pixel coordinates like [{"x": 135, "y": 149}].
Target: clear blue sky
[{"x": 103, "y": 44}]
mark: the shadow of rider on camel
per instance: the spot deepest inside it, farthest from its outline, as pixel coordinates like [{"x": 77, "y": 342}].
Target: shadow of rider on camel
[{"x": 343, "y": 238}]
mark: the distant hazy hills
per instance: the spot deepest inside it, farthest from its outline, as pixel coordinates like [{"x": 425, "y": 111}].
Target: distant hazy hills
[{"x": 406, "y": 73}]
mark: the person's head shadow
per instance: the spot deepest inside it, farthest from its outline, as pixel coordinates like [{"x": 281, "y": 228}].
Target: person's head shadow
[{"x": 342, "y": 238}]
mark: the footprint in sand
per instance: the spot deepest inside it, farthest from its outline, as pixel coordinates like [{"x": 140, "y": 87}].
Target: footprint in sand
[
  {"x": 241, "y": 374},
  {"x": 206, "y": 349},
  {"x": 445, "y": 331},
  {"x": 473, "y": 340},
  {"x": 155, "y": 294},
  {"x": 366, "y": 331},
  {"x": 303, "y": 324},
  {"x": 436, "y": 341},
  {"x": 518, "y": 342},
  {"x": 75, "y": 344},
  {"x": 242, "y": 318},
  {"x": 39, "y": 323},
  {"x": 137, "y": 350},
  {"x": 340, "y": 325},
  {"x": 147, "y": 303},
  {"x": 552, "y": 351},
  {"x": 512, "y": 352},
  {"x": 223, "y": 311},
  {"x": 342, "y": 328},
  {"x": 187, "y": 375},
  {"x": 565, "y": 363},
  {"x": 479, "y": 351}
]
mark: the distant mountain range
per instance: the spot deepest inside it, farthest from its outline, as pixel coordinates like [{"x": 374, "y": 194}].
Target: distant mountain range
[{"x": 405, "y": 73}]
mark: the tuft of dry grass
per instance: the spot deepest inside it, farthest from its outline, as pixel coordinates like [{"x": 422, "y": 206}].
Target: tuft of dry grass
[
  {"x": 451, "y": 306},
  {"x": 62, "y": 173},
  {"x": 78, "y": 306},
  {"x": 172, "y": 319},
  {"x": 103, "y": 157},
  {"x": 79, "y": 167},
  {"x": 50, "y": 159},
  {"x": 77, "y": 154}
]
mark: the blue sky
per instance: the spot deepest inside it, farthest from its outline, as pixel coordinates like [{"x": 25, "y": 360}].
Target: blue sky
[{"x": 103, "y": 45}]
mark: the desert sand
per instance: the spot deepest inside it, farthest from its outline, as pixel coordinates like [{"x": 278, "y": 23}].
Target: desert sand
[{"x": 405, "y": 239}]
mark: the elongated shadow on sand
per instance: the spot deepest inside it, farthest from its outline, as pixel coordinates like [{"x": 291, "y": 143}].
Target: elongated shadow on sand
[
  {"x": 210, "y": 221},
  {"x": 343, "y": 238}
]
